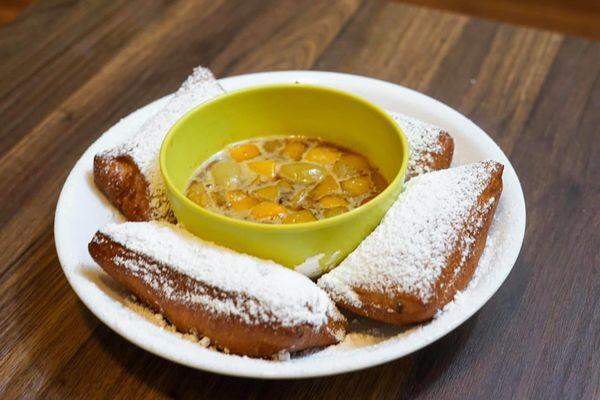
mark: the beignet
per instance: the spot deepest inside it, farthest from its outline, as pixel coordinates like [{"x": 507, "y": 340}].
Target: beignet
[
  {"x": 129, "y": 174},
  {"x": 244, "y": 304},
  {"x": 431, "y": 148},
  {"x": 425, "y": 249}
]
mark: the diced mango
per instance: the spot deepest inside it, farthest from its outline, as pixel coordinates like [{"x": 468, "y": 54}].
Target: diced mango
[
  {"x": 299, "y": 217},
  {"x": 379, "y": 181},
  {"x": 357, "y": 186},
  {"x": 244, "y": 152},
  {"x": 270, "y": 193},
  {"x": 255, "y": 181},
  {"x": 332, "y": 212},
  {"x": 218, "y": 197},
  {"x": 350, "y": 165},
  {"x": 240, "y": 201},
  {"x": 297, "y": 199},
  {"x": 226, "y": 174},
  {"x": 332, "y": 202},
  {"x": 272, "y": 146},
  {"x": 197, "y": 193},
  {"x": 322, "y": 155},
  {"x": 294, "y": 150},
  {"x": 268, "y": 210},
  {"x": 302, "y": 172},
  {"x": 286, "y": 180},
  {"x": 285, "y": 186},
  {"x": 327, "y": 186},
  {"x": 265, "y": 168}
]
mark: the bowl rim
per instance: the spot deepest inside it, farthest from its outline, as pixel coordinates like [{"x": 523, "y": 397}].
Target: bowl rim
[{"x": 302, "y": 226}]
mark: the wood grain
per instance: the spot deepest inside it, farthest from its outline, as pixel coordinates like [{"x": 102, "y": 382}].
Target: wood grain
[
  {"x": 574, "y": 17},
  {"x": 70, "y": 70}
]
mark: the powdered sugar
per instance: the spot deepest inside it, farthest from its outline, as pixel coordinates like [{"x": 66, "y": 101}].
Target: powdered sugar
[
  {"x": 144, "y": 146},
  {"x": 81, "y": 211},
  {"x": 158, "y": 319},
  {"x": 203, "y": 341},
  {"x": 408, "y": 250},
  {"x": 311, "y": 266},
  {"x": 423, "y": 141},
  {"x": 259, "y": 291}
]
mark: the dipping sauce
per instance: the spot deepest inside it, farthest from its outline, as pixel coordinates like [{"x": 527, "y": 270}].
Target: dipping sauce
[{"x": 284, "y": 179}]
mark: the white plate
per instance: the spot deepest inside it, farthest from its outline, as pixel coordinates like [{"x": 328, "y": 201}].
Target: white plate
[{"x": 81, "y": 210}]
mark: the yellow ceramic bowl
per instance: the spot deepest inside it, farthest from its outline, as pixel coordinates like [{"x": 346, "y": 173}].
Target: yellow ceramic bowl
[{"x": 284, "y": 109}]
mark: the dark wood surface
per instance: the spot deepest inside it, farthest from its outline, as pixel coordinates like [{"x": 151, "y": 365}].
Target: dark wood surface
[
  {"x": 576, "y": 17},
  {"x": 69, "y": 70}
]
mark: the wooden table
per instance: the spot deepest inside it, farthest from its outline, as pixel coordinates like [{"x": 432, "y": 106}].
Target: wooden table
[{"x": 69, "y": 70}]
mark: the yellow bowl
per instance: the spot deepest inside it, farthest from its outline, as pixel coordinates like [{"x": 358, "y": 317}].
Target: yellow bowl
[{"x": 285, "y": 109}]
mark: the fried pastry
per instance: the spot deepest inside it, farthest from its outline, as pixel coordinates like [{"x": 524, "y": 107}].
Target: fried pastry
[
  {"x": 244, "y": 304},
  {"x": 431, "y": 148},
  {"x": 425, "y": 249},
  {"x": 129, "y": 174}
]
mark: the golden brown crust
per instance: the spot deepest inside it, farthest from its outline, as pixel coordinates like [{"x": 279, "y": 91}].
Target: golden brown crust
[
  {"x": 231, "y": 332},
  {"x": 406, "y": 308},
  {"x": 121, "y": 181},
  {"x": 458, "y": 273},
  {"x": 434, "y": 161},
  {"x": 444, "y": 158}
]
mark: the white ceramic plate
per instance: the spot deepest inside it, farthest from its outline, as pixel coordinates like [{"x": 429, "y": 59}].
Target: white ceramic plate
[{"x": 81, "y": 210}]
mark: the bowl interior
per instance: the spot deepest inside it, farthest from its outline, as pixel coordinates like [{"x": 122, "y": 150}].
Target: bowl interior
[{"x": 289, "y": 109}]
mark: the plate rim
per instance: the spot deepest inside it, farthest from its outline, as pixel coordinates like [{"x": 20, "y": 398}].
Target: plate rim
[{"x": 384, "y": 355}]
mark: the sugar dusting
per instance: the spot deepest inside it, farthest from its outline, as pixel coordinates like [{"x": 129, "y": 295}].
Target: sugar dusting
[
  {"x": 367, "y": 334},
  {"x": 144, "y": 145},
  {"x": 407, "y": 252},
  {"x": 204, "y": 341},
  {"x": 157, "y": 319},
  {"x": 311, "y": 266},
  {"x": 485, "y": 273},
  {"x": 423, "y": 141},
  {"x": 259, "y": 291}
]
